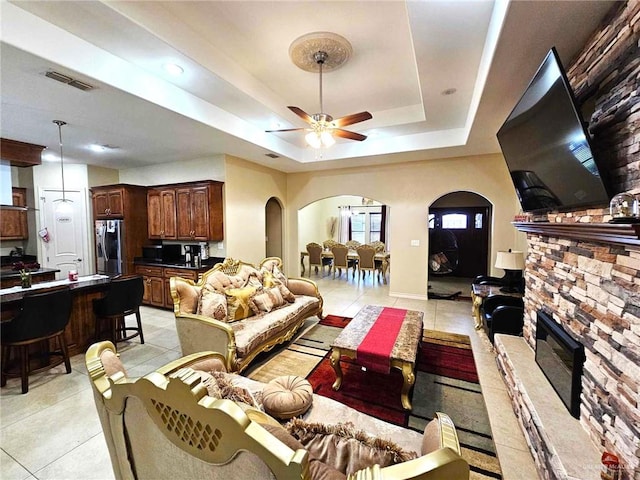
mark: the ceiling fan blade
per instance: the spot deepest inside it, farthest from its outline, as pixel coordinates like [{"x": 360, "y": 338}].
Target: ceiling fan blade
[
  {"x": 351, "y": 119},
  {"x": 338, "y": 132},
  {"x": 302, "y": 114},
  {"x": 284, "y": 130}
]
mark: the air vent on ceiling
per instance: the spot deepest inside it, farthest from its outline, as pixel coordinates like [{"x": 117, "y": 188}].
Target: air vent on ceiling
[
  {"x": 272, "y": 155},
  {"x": 60, "y": 77}
]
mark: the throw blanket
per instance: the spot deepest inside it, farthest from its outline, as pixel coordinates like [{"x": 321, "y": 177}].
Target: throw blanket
[{"x": 374, "y": 352}]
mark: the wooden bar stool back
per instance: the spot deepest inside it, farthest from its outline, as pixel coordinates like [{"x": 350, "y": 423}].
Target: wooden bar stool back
[
  {"x": 123, "y": 298},
  {"x": 43, "y": 318}
]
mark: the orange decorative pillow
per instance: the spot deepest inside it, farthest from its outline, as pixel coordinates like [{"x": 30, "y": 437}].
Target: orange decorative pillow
[{"x": 238, "y": 303}]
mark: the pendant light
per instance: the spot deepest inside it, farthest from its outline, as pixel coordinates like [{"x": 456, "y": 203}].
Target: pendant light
[{"x": 64, "y": 207}]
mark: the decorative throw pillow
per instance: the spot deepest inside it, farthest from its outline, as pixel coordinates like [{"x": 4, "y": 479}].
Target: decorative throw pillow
[
  {"x": 212, "y": 304},
  {"x": 219, "y": 385},
  {"x": 344, "y": 448},
  {"x": 286, "y": 293},
  {"x": 238, "y": 303},
  {"x": 287, "y": 396},
  {"x": 266, "y": 300},
  {"x": 317, "y": 469},
  {"x": 269, "y": 280}
]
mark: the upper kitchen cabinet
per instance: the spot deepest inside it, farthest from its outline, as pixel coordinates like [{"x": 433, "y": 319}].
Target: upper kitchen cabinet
[
  {"x": 161, "y": 208},
  {"x": 13, "y": 222},
  {"x": 196, "y": 214},
  {"x": 108, "y": 202}
]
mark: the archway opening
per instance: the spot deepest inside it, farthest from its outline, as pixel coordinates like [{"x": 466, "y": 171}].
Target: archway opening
[
  {"x": 273, "y": 235},
  {"x": 459, "y": 242}
]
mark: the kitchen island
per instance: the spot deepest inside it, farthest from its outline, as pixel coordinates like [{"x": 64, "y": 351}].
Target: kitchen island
[
  {"x": 10, "y": 277},
  {"x": 80, "y": 332}
]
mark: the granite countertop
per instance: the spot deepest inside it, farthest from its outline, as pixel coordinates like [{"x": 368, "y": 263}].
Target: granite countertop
[
  {"x": 9, "y": 272},
  {"x": 180, "y": 263},
  {"x": 16, "y": 293}
]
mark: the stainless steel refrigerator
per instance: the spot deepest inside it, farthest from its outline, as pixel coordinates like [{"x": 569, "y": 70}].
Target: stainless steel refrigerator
[{"x": 110, "y": 252}]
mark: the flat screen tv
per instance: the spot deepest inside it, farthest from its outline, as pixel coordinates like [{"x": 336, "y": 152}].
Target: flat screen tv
[{"x": 546, "y": 146}]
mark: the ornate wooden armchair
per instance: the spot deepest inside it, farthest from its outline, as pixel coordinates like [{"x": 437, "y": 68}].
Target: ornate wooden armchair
[{"x": 166, "y": 426}]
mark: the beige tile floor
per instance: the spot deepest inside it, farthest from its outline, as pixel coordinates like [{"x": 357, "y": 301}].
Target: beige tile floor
[{"x": 53, "y": 432}]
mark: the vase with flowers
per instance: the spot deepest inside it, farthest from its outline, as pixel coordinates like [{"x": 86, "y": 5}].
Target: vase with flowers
[{"x": 25, "y": 278}]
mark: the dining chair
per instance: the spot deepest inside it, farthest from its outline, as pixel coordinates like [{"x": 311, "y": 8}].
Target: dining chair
[
  {"x": 123, "y": 298},
  {"x": 327, "y": 244},
  {"x": 315, "y": 257},
  {"x": 366, "y": 262},
  {"x": 378, "y": 246},
  {"x": 42, "y": 318},
  {"x": 352, "y": 244},
  {"x": 340, "y": 259}
]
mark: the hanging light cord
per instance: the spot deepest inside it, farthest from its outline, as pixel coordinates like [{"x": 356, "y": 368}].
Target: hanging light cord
[{"x": 60, "y": 123}]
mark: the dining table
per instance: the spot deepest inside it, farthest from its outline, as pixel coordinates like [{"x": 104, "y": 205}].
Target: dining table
[{"x": 383, "y": 257}]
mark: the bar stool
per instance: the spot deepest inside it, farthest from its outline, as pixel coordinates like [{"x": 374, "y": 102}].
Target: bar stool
[
  {"x": 123, "y": 298},
  {"x": 43, "y": 316}
]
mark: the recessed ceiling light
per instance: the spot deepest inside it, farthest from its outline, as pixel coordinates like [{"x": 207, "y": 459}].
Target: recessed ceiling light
[
  {"x": 449, "y": 91},
  {"x": 97, "y": 148},
  {"x": 50, "y": 157},
  {"x": 173, "y": 69}
]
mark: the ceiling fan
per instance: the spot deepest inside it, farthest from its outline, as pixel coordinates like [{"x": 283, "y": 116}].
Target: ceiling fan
[{"x": 322, "y": 125}]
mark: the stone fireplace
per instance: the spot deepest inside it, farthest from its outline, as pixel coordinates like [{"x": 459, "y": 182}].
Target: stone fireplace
[
  {"x": 585, "y": 274},
  {"x": 561, "y": 360}
]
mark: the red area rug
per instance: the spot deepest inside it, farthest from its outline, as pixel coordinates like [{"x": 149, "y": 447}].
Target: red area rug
[{"x": 378, "y": 394}]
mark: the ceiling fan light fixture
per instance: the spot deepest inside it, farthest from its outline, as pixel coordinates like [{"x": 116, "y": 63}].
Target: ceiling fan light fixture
[
  {"x": 327, "y": 138},
  {"x": 313, "y": 139}
]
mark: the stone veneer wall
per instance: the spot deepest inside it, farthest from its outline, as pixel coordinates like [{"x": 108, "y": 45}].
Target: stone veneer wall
[
  {"x": 607, "y": 74},
  {"x": 593, "y": 289}
]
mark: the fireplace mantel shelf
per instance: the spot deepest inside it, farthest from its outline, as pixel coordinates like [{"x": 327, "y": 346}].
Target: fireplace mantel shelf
[{"x": 619, "y": 234}]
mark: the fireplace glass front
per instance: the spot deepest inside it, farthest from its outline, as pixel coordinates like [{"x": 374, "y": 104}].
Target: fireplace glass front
[{"x": 561, "y": 359}]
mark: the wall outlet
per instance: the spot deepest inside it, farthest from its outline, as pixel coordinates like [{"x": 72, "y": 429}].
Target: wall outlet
[
  {"x": 220, "y": 245},
  {"x": 415, "y": 243}
]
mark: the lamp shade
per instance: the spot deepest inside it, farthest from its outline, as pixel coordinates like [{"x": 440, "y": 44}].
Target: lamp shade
[{"x": 510, "y": 260}]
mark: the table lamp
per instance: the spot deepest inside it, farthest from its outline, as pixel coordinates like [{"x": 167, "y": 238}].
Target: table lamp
[{"x": 512, "y": 263}]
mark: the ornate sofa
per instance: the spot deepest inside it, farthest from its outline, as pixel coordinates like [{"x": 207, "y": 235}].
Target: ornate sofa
[
  {"x": 166, "y": 425},
  {"x": 240, "y": 310}
]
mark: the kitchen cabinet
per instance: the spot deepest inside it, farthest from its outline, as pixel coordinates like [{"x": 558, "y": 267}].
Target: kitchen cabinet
[
  {"x": 108, "y": 202},
  {"x": 157, "y": 287},
  {"x": 13, "y": 223},
  {"x": 128, "y": 203},
  {"x": 187, "y": 211},
  {"x": 161, "y": 208},
  {"x": 153, "y": 285}
]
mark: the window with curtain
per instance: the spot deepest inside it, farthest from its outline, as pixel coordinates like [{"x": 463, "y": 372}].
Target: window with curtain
[{"x": 358, "y": 226}]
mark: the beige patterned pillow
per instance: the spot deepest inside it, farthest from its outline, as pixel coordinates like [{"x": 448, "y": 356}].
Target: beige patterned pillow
[
  {"x": 212, "y": 304},
  {"x": 286, "y": 293},
  {"x": 345, "y": 448},
  {"x": 266, "y": 300},
  {"x": 238, "y": 303}
]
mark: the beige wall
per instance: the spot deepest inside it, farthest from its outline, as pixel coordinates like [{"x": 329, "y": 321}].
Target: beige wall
[
  {"x": 248, "y": 187},
  {"x": 211, "y": 168},
  {"x": 97, "y": 176},
  {"x": 408, "y": 189}
]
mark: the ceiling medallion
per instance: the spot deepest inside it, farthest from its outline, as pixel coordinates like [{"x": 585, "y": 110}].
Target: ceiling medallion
[{"x": 303, "y": 49}]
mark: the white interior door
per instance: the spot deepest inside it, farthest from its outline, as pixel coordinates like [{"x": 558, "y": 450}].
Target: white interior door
[{"x": 66, "y": 248}]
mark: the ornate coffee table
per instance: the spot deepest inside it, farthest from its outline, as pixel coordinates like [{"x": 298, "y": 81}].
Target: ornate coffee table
[{"x": 381, "y": 338}]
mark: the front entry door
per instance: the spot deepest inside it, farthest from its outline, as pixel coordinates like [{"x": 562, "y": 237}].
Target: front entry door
[
  {"x": 470, "y": 225},
  {"x": 66, "y": 248}
]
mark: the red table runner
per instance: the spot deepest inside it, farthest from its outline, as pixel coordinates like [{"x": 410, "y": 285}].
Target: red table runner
[{"x": 375, "y": 349}]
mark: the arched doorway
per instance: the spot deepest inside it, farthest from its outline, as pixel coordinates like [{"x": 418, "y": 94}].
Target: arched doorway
[
  {"x": 273, "y": 228},
  {"x": 459, "y": 228}
]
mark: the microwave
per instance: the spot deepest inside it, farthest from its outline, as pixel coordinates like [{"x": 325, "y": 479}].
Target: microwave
[{"x": 152, "y": 252}]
